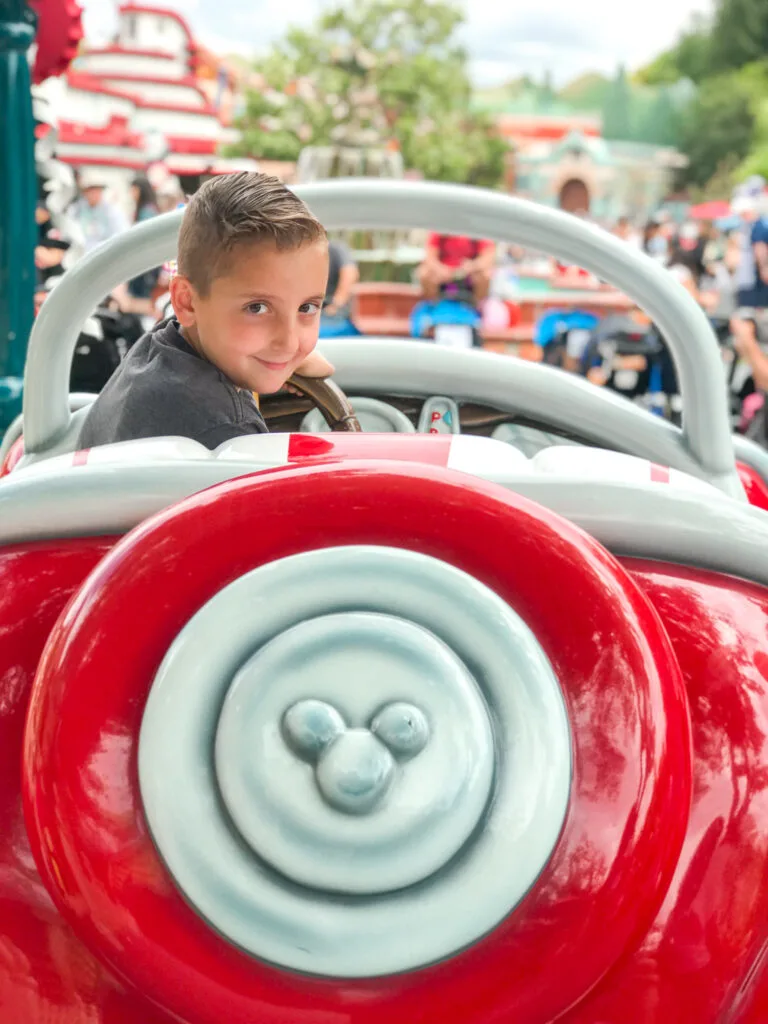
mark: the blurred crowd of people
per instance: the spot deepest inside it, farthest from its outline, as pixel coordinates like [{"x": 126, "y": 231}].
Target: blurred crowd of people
[
  {"x": 91, "y": 219},
  {"x": 724, "y": 267}
]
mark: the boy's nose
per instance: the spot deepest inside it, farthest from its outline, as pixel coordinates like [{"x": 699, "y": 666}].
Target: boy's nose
[{"x": 286, "y": 338}]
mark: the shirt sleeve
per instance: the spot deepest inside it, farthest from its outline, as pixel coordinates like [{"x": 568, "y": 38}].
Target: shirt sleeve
[
  {"x": 344, "y": 255},
  {"x": 681, "y": 273},
  {"x": 485, "y": 244},
  {"x": 433, "y": 240},
  {"x": 214, "y": 436},
  {"x": 760, "y": 232},
  {"x": 117, "y": 220}
]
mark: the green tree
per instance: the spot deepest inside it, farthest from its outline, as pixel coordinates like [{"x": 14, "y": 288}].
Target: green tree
[
  {"x": 587, "y": 92},
  {"x": 720, "y": 185},
  {"x": 659, "y": 120},
  {"x": 547, "y": 91},
  {"x": 617, "y": 109},
  {"x": 719, "y": 126},
  {"x": 376, "y": 73},
  {"x": 757, "y": 158},
  {"x": 691, "y": 57},
  {"x": 739, "y": 34}
]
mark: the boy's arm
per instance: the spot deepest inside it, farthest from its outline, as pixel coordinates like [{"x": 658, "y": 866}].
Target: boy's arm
[{"x": 315, "y": 365}]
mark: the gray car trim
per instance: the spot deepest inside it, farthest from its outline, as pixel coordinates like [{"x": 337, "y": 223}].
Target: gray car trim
[
  {"x": 642, "y": 520},
  {"x": 551, "y": 398}
]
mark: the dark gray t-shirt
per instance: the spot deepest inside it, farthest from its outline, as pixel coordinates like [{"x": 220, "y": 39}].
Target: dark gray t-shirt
[
  {"x": 163, "y": 388},
  {"x": 339, "y": 256}
]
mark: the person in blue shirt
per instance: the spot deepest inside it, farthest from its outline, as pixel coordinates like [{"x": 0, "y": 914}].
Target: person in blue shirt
[
  {"x": 752, "y": 272},
  {"x": 749, "y": 325},
  {"x": 98, "y": 218}
]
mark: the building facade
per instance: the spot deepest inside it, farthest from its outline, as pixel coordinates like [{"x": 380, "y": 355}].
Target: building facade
[
  {"x": 586, "y": 174},
  {"x": 152, "y": 100}
]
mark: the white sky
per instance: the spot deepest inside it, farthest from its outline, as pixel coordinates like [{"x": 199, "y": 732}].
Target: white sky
[{"x": 565, "y": 37}]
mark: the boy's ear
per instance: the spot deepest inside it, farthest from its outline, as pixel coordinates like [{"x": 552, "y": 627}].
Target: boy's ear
[{"x": 183, "y": 300}]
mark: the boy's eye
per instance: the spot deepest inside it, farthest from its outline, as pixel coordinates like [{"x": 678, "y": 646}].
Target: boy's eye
[
  {"x": 309, "y": 307},
  {"x": 256, "y": 307}
]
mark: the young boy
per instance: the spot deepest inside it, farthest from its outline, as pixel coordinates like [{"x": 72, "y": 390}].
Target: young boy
[{"x": 252, "y": 274}]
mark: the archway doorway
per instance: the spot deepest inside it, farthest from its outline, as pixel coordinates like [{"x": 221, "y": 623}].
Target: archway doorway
[{"x": 574, "y": 196}]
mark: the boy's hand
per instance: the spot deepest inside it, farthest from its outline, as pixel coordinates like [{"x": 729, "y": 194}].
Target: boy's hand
[{"x": 314, "y": 365}]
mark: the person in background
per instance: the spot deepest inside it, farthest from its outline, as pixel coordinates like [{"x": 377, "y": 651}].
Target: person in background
[
  {"x": 343, "y": 275},
  {"x": 457, "y": 260},
  {"x": 144, "y": 199},
  {"x": 50, "y": 249},
  {"x": 625, "y": 230},
  {"x": 169, "y": 195},
  {"x": 751, "y": 263},
  {"x": 752, "y": 270},
  {"x": 654, "y": 243},
  {"x": 682, "y": 264},
  {"x": 749, "y": 325},
  {"x": 136, "y": 295},
  {"x": 98, "y": 218},
  {"x": 717, "y": 291}
]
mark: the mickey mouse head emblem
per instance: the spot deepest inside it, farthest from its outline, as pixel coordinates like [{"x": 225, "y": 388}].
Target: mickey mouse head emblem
[{"x": 354, "y": 767}]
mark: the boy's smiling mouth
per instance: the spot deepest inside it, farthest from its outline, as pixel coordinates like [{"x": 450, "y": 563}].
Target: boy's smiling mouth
[{"x": 271, "y": 365}]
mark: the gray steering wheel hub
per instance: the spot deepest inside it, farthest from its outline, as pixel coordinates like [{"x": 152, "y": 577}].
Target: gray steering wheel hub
[
  {"x": 333, "y": 790},
  {"x": 355, "y": 761}
]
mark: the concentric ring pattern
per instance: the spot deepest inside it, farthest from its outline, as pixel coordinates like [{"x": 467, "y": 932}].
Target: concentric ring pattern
[{"x": 355, "y": 761}]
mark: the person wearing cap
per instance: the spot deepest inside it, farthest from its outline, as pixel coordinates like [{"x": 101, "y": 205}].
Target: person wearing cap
[
  {"x": 99, "y": 219},
  {"x": 752, "y": 272},
  {"x": 169, "y": 195}
]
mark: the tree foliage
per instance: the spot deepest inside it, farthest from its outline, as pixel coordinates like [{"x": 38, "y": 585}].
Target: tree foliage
[
  {"x": 387, "y": 73},
  {"x": 725, "y": 131},
  {"x": 739, "y": 34},
  {"x": 587, "y": 92},
  {"x": 719, "y": 126},
  {"x": 690, "y": 57},
  {"x": 617, "y": 109}
]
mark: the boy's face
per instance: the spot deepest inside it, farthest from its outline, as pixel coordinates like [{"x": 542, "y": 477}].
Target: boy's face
[{"x": 260, "y": 320}]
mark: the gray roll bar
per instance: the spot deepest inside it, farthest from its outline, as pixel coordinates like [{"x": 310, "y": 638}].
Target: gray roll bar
[{"x": 451, "y": 209}]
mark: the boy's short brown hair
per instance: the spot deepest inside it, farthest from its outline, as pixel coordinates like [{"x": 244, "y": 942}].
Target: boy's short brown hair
[{"x": 240, "y": 209}]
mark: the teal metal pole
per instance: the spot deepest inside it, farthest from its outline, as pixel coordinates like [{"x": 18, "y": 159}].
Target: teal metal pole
[{"x": 18, "y": 193}]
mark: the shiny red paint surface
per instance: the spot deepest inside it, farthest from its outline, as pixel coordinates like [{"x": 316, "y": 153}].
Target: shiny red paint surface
[
  {"x": 703, "y": 959},
  {"x": 433, "y": 449},
  {"x": 631, "y": 785},
  {"x": 755, "y": 487},
  {"x": 47, "y": 976},
  {"x": 12, "y": 457}
]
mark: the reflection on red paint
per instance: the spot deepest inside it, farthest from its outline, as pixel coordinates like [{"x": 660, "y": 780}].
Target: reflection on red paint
[
  {"x": 397, "y": 447},
  {"x": 13, "y": 457},
  {"x": 710, "y": 930},
  {"x": 651, "y": 909},
  {"x": 631, "y": 784},
  {"x": 754, "y": 486}
]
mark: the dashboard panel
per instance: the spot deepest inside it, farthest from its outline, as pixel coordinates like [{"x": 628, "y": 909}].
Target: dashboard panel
[{"x": 384, "y": 413}]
